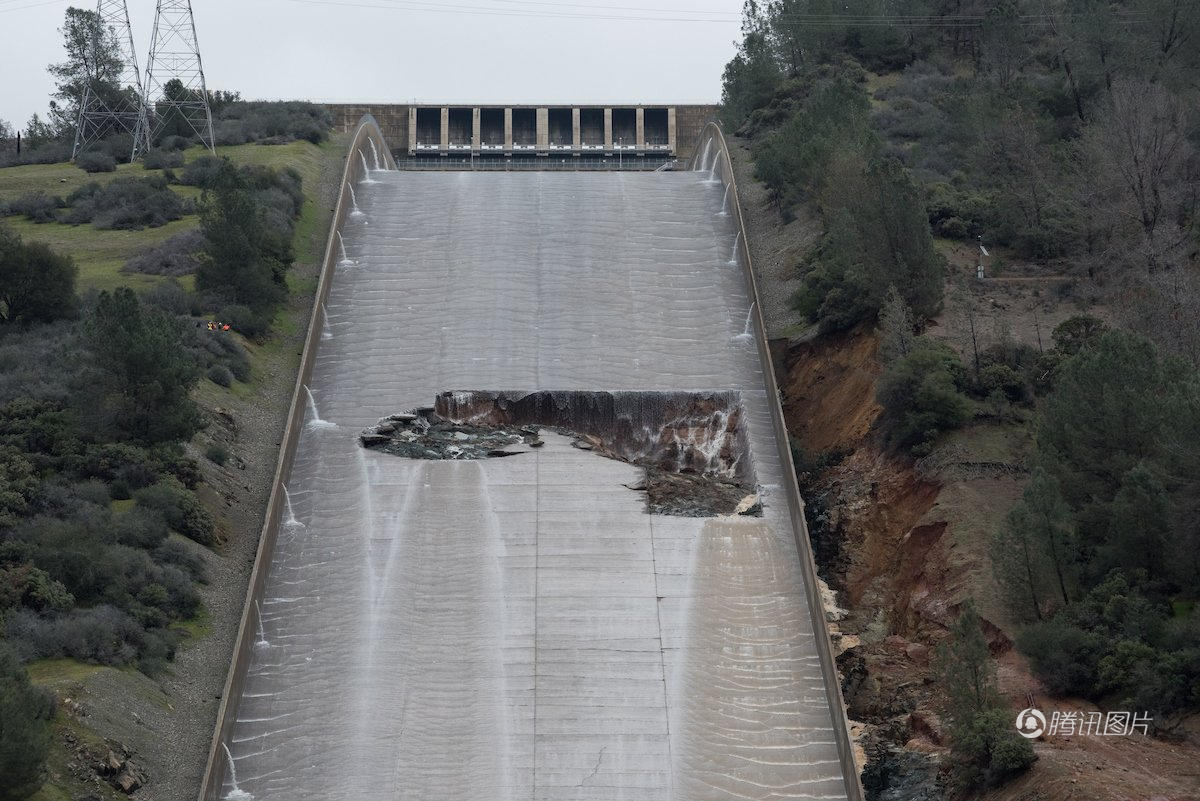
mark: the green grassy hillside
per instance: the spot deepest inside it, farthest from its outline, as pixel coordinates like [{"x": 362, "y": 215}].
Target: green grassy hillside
[
  {"x": 103, "y": 709},
  {"x": 101, "y": 254}
]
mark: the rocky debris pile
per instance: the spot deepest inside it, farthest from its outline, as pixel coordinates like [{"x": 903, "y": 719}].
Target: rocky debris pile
[
  {"x": 689, "y": 494},
  {"x": 120, "y": 772},
  {"x": 423, "y": 434},
  {"x": 702, "y": 432},
  {"x": 110, "y": 764}
]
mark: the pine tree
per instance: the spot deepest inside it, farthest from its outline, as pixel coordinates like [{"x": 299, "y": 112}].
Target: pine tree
[
  {"x": 25, "y": 712},
  {"x": 238, "y": 262},
  {"x": 141, "y": 370},
  {"x": 987, "y": 747},
  {"x": 93, "y": 55},
  {"x": 36, "y": 284},
  {"x": 896, "y": 335}
]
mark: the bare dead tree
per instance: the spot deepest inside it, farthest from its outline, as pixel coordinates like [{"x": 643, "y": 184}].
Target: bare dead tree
[
  {"x": 1140, "y": 141},
  {"x": 1175, "y": 25},
  {"x": 1165, "y": 307}
]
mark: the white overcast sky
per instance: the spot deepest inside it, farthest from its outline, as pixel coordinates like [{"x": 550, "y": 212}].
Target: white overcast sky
[{"x": 396, "y": 51}]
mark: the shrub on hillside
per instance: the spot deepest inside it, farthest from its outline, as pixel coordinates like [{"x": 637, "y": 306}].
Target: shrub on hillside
[
  {"x": 175, "y": 256},
  {"x": 269, "y": 122},
  {"x": 96, "y": 161},
  {"x": 174, "y": 551},
  {"x": 920, "y": 397},
  {"x": 139, "y": 528},
  {"x": 174, "y": 142},
  {"x": 955, "y": 214},
  {"x": 1064, "y": 656},
  {"x": 126, "y": 203},
  {"x": 217, "y": 454},
  {"x": 159, "y": 159},
  {"x": 169, "y": 296},
  {"x": 103, "y": 635},
  {"x": 36, "y": 364},
  {"x": 200, "y": 171},
  {"x": 47, "y": 153},
  {"x": 180, "y": 508},
  {"x": 245, "y": 320},
  {"x": 36, "y": 206},
  {"x": 36, "y": 284},
  {"x": 219, "y": 374},
  {"x": 218, "y": 349},
  {"x": 30, "y": 586}
]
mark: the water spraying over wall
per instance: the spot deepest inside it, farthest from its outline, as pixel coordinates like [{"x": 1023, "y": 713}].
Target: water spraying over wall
[
  {"x": 747, "y": 334},
  {"x": 314, "y": 416},
  {"x": 235, "y": 793},
  {"x": 366, "y": 171},
  {"x": 344, "y": 260},
  {"x": 512, "y": 628},
  {"x": 262, "y": 641},
  {"x": 289, "y": 519}
]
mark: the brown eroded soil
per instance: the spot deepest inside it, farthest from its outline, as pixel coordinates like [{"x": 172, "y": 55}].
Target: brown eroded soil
[{"x": 903, "y": 544}]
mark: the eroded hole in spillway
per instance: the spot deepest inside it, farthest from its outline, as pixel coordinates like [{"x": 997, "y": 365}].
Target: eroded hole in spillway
[{"x": 692, "y": 446}]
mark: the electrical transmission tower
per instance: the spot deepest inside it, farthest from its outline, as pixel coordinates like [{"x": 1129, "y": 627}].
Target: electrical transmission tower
[
  {"x": 111, "y": 103},
  {"x": 176, "y": 98}
]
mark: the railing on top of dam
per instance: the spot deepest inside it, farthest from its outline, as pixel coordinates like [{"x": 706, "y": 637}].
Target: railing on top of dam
[
  {"x": 367, "y": 147},
  {"x": 721, "y": 165},
  {"x": 544, "y": 164}
]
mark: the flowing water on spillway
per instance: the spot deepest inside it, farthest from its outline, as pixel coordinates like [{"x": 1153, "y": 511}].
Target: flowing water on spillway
[{"x": 520, "y": 628}]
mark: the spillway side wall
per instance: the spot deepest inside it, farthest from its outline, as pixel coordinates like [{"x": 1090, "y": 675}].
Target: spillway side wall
[
  {"x": 712, "y": 136},
  {"x": 364, "y": 134}
]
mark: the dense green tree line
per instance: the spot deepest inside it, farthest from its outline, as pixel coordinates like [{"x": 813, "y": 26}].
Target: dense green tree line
[
  {"x": 876, "y": 232},
  {"x": 1102, "y": 554},
  {"x": 96, "y": 492},
  {"x": 97, "y": 499},
  {"x": 1065, "y": 133},
  {"x": 1061, "y": 130}
]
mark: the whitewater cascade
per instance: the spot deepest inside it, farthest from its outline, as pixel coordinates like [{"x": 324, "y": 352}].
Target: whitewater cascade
[{"x": 521, "y": 628}]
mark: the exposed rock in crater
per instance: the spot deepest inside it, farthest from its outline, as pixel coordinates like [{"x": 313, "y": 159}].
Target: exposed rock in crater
[
  {"x": 423, "y": 434},
  {"x": 680, "y": 432},
  {"x": 691, "y": 445}
]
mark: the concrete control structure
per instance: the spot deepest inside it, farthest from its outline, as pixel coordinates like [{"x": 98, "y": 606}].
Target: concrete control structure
[{"x": 532, "y": 130}]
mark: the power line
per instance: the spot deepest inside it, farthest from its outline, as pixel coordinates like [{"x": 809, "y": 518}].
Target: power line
[
  {"x": 32, "y": 5},
  {"x": 736, "y": 15},
  {"x": 442, "y": 8},
  {"x": 825, "y": 21}
]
